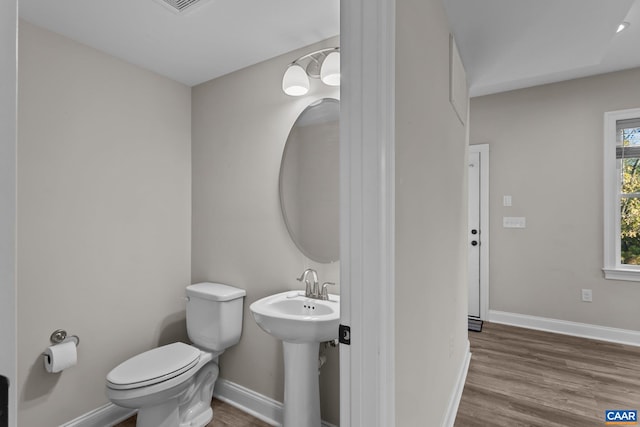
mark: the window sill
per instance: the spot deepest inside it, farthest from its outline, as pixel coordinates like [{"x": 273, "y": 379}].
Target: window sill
[{"x": 622, "y": 274}]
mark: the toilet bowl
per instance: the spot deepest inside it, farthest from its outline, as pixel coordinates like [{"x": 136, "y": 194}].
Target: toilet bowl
[{"x": 172, "y": 385}]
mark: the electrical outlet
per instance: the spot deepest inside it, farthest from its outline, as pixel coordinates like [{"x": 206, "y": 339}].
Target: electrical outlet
[{"x": 587, "y": 295}]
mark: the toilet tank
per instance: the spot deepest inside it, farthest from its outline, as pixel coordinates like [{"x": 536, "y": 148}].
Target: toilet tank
[{"x": 214, "y": 315}]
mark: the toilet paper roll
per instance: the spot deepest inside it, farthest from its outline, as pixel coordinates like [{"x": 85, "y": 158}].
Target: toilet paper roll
[{"x": 60, "y": 356}]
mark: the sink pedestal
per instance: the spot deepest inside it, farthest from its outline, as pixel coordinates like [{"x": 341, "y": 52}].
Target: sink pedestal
[
  {"x": 301, "y": 385},
  {"x": 302, "y": 323}
]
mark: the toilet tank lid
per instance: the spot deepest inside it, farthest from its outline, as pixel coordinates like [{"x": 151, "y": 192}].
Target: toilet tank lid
[{"x": 215, "y": 291}]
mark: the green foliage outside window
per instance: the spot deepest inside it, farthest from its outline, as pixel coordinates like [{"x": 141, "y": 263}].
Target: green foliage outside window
[{"x": 630, "y": 205}]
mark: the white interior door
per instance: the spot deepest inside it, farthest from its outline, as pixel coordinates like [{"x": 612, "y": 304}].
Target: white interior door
[
  {"x": 473, "y": 236},
  {"x": 478, "y": 231}
]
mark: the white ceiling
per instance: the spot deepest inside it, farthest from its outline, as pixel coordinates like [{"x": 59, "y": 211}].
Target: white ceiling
[
  {"x": 504, "y": 44},
  {"x": 213, "y": 39},
  {"x": 510, "y": 44}
]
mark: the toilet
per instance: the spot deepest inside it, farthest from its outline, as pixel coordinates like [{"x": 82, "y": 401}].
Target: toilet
[{"x": 172, "y": 385}]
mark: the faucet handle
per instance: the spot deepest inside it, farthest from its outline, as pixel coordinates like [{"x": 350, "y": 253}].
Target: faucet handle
[{"x": 325, "y": 292}]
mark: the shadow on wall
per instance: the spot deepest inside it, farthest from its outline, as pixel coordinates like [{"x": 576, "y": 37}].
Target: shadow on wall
[
  {"x": 173, "y": 329},
  {"x": 40, "y": 383}
]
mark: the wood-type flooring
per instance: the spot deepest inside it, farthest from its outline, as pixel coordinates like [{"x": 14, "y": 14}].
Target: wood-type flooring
[
  {"x": 525, "y": 378},
  {"x": 224, "y": 415}
]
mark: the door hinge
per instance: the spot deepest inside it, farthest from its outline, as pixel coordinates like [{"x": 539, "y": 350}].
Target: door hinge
[{"x": 344, "y": 334}]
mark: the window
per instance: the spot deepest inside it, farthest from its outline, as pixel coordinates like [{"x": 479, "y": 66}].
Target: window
[{"x": 622, "y": 195}]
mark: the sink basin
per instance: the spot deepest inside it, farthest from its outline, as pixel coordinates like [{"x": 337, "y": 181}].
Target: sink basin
[{"x": 292, "y": 317}]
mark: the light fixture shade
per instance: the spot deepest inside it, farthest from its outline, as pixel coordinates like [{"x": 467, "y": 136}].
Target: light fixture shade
[
  {"x": 330, "y": 70},
  {"x": 295, "y": 81}
]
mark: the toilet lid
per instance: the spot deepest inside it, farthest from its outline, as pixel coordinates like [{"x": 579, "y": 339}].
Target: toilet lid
[{"x": 154, "y": 366}]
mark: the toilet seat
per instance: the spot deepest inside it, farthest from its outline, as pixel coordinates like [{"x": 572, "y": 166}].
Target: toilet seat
[{"x": 153, "y": 366}]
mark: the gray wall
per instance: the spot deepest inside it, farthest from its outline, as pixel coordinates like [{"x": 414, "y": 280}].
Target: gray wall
[
  {"x": 240, "y": 124},
  {"x": 546, "y": 152},
  {"x": 8, "y": 25},
  {"x": 104, "y": 217},
  {"x": 431, "y": 218}
]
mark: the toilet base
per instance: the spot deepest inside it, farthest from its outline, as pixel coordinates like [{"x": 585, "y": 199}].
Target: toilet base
[
  {"x": 167, "y": 415},
  {"x": 163, "y": 415},
  {"x": 195, "y": 405},
  {"x": 186, "y": 404},
  {"x": 200, "y": 420}
]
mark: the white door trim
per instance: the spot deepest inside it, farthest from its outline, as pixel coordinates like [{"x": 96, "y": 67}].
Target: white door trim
[
  {"x": 483, "y": 149},
  {"x": 473, "y": 249},
  {"x": 367, "y": 182},
  {"x": 8, "y": 129}
]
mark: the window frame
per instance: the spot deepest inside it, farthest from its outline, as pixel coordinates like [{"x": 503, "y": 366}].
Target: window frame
[{"x": 613, "y": 268}]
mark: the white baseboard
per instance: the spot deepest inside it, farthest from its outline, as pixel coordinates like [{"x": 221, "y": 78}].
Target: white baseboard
[
  {"x": 107, "y": 415},
  {"x": 262, "y": 407},
  {"x": 454, "y": 400},
  {"x": 584, "y": 330},
  {"x": 258, "y": 405}
]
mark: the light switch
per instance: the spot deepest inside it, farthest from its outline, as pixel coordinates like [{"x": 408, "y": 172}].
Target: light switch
[
  {"x": 506, "y": 200},
  {"x": 514, "y": 222}
]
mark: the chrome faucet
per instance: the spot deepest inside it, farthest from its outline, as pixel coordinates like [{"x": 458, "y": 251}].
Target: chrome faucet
[{"x": 312, "y": 290}]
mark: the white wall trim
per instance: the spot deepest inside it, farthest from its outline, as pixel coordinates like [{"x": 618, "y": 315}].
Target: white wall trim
[
  {"x": 8, "y": 144},
  {"x": 262, "y": 407},
  {"x": 613, "y": 269},
  {"x": 256, "y": 404},
  {"x": 454, "y": 400},
  {"x": 584, "y": 330},
  {"x": 106, "y": 415},
  {"x": 367, "y": 222},
  {"x": 628, "y": 274}
]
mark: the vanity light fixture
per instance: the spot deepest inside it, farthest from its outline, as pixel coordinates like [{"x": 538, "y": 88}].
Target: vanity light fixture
[
  {"x": 623, "y": 26},
  {"x": 323, "y": 64}
]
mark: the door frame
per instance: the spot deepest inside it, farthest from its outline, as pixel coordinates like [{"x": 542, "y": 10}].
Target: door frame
[
  {"x": 367, "y": 222},
  {"x": 8, "y": 144},
  {"x": 483, "y": 149}
]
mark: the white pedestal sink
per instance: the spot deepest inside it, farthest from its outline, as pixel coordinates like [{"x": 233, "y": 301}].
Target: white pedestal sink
[{"x": 302, "y": 324}]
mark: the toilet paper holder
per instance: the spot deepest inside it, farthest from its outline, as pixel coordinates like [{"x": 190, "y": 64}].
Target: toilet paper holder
[{"x": 60, "y": 335}]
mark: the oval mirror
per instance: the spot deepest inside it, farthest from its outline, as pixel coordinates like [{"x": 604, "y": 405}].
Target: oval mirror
[{"x": 309, "y": 181}]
